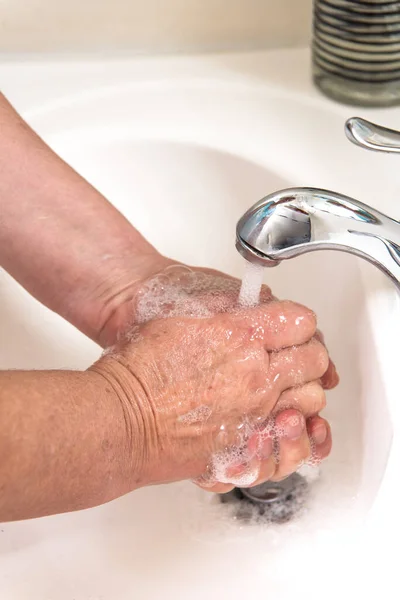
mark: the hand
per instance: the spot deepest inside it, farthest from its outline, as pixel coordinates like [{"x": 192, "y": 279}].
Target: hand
[
  {"x": 124, "y": 314},
  {"x": 292, "y": 452},
  {"x": 223, "y": 399}
]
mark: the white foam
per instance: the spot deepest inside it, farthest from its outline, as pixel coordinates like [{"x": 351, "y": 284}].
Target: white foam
[{"x": 181, "y": 292}]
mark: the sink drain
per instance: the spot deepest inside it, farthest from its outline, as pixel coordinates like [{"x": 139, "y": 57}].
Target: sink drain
[{"x": 275, "y": 502}]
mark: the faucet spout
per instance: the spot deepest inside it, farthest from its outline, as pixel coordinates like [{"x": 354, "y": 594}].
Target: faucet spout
[{"x": 295, "y": 221}]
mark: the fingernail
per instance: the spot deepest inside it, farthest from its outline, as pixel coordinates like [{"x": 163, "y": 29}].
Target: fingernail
[
  {"x": 319, "y": 433},
  {"x": 293, "y": 426}
]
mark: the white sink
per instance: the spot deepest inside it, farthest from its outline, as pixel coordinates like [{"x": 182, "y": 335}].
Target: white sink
[{"x": 183, "y": 147}]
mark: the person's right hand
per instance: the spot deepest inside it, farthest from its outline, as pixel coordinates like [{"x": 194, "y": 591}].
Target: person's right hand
[{"x": 221, "y": 400}]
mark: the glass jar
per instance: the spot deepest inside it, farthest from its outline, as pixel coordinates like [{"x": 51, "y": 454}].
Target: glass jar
[{"x": 356, "y": 51}]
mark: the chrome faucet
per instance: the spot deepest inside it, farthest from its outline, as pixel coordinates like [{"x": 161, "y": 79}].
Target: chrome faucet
[
  {"x": 295, "y": 221},
  {"x": 368, "y": 135}
]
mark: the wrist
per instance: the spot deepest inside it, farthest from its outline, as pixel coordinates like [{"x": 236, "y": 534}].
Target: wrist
[
  {"x": 118, "y": 310},
  {"x": 105, "y": 312},
  {"x": 137, "y": 429}
]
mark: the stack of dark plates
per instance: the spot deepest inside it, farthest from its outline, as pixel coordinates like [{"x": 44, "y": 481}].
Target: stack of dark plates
[{"x": 357, "y": 41}]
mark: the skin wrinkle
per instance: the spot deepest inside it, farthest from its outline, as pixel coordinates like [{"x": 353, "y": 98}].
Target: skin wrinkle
[
  {"x": 141, "y": 426},
  {"x": 116, "y": 299},
  {"x": 110, "y": 304},
  {"x": 110, "y": 379}
]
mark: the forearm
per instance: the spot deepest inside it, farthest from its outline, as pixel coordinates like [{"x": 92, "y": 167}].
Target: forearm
[
  {"x": 59, "y": 237},
  {"x": 68, "y": 441}
]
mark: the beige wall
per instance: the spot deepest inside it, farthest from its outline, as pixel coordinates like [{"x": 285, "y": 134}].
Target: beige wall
[{"x": 151, "y": 25}]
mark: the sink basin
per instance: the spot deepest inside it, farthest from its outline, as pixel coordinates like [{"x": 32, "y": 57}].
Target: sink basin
[{"x": 182, "y": 147}]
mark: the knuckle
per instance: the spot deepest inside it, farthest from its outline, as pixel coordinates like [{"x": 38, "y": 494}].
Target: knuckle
[
  {"x": 323, "y": 361},
  {"x": 307, "y": 313},
  {"x": 318, "y": 399},
  {"x": 312, "y": 317},
  {"x": 319, "y": 356}
]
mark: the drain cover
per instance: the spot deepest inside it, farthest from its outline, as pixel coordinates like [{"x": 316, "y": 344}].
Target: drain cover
[
  {"x": 275, "y": 502},
  {"x": 270, "y": 492}
]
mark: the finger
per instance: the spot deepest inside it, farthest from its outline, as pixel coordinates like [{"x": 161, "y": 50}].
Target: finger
[
  {"x": 294, "y": 444},
  {"x": 319, "y": 432},
  {"x": 217, "y": 488},
  {"x": 309, "y": 399},
  {"x": 261, "y": 447},
  {"x": 207, "y": 482},
  {"x": 331, "y": 378},
  {"x": 296, "y": 366},
  {"x": 278, "y": 324},
  {"x": 261, "y": 444},
  {"x": 267, "y": 471},
  {"x": 238, "y": 475}
]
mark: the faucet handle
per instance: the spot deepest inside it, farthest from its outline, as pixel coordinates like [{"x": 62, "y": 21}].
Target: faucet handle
[{"x": 368, "y": 135}]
